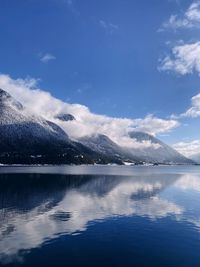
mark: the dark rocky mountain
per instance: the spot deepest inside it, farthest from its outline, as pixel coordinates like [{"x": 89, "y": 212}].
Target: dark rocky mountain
[{"x": 65, "y": 117}]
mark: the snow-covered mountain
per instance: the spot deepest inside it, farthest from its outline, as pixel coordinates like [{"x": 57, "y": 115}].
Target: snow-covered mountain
[
  {"x": 18, "y": 126},
  {"x": 155, "y": 152},
  {"x": 104, "y": 145},
  {"x": 158, "y": 152},
  {"x": 27, "y": 138}
]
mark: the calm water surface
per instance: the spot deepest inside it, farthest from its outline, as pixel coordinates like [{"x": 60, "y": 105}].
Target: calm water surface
[{"x": 100, "y": 216}]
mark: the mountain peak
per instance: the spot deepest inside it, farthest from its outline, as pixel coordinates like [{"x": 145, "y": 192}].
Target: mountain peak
[
  {"x": 4, "y": 94},
  {"x": 6, "y": 98},
  {"x": 141, "y": 135},
  {"x": 163, "y": 154}
]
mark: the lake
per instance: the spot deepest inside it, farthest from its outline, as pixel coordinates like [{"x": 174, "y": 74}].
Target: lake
[{"x": 100, "y": 216}]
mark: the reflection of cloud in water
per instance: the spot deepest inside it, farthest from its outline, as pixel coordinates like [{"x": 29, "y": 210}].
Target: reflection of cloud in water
[
  {"x": 96, "y": 199},
  {"x": 189, "y": 181}
]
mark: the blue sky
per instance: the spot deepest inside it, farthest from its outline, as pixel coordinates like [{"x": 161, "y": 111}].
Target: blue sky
[{"x": 114, "y": 56}]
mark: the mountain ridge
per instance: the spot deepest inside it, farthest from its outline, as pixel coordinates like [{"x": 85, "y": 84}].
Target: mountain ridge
[
  {"x": 28, "y": 138},
  {"x": 163, "y": 154}
]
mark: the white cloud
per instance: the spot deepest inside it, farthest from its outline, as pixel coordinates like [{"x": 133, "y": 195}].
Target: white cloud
[
  {"x": 189, "y": 19},
  {"x": 174, "y": 23},
  {"x": 188, "y": 148},
  {"x": 45, "y": 58},
  {"x": 193, "y": 12},
  {"x": 86, "y": 123},
  {"x": 153, "y": 125},
  {"x": 185, "y": 59},
  {"x": 188, "y": 181},
  {"x": 194, "y": 110}
]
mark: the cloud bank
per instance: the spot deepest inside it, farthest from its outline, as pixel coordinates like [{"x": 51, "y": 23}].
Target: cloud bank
[{"x": 44, "y": 104}]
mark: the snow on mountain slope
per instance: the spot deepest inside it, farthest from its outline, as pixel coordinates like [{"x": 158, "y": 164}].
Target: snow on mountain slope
[
  {"x": 155, "y": 152},
  {"x": 18, "y": 125},
  {"x": 162, "y": 154},
  {"x": 103, "y": 144},
  {"x": 22, "y": 132}
]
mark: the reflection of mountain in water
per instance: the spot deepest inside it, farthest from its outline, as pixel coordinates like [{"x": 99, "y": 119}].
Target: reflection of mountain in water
[
  {"x": 35, "y": 208},
  {"x": 27, "y": 191}
]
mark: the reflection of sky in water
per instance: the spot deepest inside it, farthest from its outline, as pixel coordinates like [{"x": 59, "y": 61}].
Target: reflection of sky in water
[{"x": 47, "y": 206}]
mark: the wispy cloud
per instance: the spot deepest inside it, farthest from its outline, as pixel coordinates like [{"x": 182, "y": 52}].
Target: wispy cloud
[
  {"x": 45, "y": 58},
  {"x": 193, "y": 110},
  {"x": 86, "y": 123},
  {"x": 175, "y": 23},
  {"x": 189, "y": 19},
  {"x": 184, "y": 59},
  {"x": 193, "y": 12},
  {"x": 108, "y": 27}
]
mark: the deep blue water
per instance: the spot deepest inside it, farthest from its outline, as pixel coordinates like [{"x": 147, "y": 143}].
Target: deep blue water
[{"x": 100, "y": 216}]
